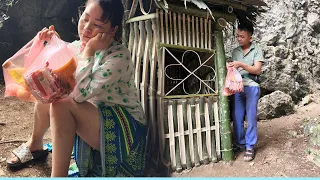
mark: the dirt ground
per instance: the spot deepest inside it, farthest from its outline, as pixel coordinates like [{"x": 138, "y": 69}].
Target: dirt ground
[{"x": 278, "y": 153}]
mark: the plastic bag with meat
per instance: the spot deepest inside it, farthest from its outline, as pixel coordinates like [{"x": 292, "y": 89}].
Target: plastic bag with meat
[
  {"x": 51, "y": 76},
  {"x": 233, "y": 82}
]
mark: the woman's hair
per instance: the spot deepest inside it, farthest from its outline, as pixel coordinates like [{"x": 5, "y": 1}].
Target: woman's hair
[{"x": 113, "y": 11}]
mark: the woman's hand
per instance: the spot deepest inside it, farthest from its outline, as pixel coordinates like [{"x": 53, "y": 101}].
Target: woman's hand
[
  {"x": 99, "y": 42},
  {"x": 46, "y": 34}
]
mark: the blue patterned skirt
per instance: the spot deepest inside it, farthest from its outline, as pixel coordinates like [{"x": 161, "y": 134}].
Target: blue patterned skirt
[{"x": 122, "y": 147}]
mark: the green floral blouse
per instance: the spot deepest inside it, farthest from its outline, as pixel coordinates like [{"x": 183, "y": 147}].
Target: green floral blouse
[{"x": 107, "y": 78}]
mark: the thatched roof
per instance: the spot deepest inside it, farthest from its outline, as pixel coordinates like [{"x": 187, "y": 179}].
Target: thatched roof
[{"x": 245, "y": 10}]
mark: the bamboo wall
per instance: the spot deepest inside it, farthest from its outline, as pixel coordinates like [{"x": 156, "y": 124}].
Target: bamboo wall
[
  {"x": 185, "y": 30},
  {"x": 184, "y": 127}
]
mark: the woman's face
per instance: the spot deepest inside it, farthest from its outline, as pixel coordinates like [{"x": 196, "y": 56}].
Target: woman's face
[{"x": 90, "y": 23}]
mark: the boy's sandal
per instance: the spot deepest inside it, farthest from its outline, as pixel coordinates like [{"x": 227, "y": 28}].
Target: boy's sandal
[
  {"x": 238, "y": 148},
  {"x": 24, "y": 155},
  {"x": 249, "y": 155}
]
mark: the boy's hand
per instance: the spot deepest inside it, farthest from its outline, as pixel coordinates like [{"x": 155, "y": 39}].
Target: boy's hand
[
  {"x": 99, "y": 42},
  {"x": 46, "y": 34},
  {"x": 235, "y": 64}
]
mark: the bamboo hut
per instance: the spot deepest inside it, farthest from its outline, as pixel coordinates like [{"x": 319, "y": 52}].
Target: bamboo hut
[{"x": 178, "y": 51}]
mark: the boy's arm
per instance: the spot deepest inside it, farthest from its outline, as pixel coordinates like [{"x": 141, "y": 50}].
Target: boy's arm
[{"x": 254, "y": 69}]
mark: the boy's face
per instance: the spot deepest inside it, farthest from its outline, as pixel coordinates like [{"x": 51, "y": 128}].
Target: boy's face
[{"x": 244, "y": 37}]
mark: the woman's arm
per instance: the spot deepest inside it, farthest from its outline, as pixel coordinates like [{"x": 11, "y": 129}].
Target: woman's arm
[{"x": 111, "y": 70}]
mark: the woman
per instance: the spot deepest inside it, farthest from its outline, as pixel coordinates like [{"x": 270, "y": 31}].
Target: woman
[{"x": 103, "y": 117}]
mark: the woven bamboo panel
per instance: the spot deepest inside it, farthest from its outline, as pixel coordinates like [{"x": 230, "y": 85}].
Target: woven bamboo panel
[
  {"x": 142, "y": 45},
  {"x": 191, "y": 130},
  {"x": 185, "y": 30}
]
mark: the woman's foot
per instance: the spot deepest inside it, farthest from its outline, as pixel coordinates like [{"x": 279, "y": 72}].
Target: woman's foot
[
  {"x": 249, "y": 155},
  {"x": 26, "y": 152}
]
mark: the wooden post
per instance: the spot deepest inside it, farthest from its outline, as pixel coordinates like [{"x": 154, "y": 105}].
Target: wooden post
[
  {"x": 131, "y": 38},
  {"x": 166, "y": 154},
  {"x": 224, "y": 111},
  {"x": 187, "y": 142},
  {"x": 126, "y": 28},
  {"x": 141, "y": 46},
  {"x": 191, "y": 101},
  {"x": 214, "y": 157},
  {"x": 145, "y": 70},
  {"x": 205, "y": 155},
  {"x": 152, "y": 84},
  {"x": 176, "y": 139}
]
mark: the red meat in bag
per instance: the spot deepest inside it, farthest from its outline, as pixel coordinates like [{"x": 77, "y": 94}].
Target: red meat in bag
[
  {"x": 51, "y": 75},
  {"x": 233, "y": 82}
]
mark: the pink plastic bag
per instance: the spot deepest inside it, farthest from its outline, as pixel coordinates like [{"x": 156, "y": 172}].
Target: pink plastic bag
[
  {"x": 51, "y": 76},
  {"x": 15, "y": 67},
  {"x": 44, "y": 74},
  {"x": 233, "y": 83}
]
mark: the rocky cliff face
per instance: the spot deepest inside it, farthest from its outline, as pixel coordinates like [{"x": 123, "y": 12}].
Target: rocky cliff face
[
  {"x": 20, "y": 20},
  {"x": 289, "y": 33}
]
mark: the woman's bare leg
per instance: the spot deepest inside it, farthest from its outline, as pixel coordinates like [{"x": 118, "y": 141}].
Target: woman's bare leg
[
  {"x": 68, "y": 118},
  {"x": 40, "y": 127}
]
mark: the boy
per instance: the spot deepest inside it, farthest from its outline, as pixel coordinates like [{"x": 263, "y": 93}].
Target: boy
[{"x": 248, "y": 59}]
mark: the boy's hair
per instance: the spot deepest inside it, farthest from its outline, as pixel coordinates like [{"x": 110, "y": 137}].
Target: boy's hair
[
  {"x": 113, "y": 11},
  {"x": 246, "y": 27}
]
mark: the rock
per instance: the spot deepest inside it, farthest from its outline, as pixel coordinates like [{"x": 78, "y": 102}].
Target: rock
[
  {"x": 291, "y": 30},
  {"x": 292, "y": 134},
  {"x": 309, "y": 125},
  {"x": 281, "y": 52},
  {"x": 313, "y": 19},
  {"x": 315, "y": 136},
  {"x": 268, "y": 52},
  {"x": 275, "y": 105},
  {"x": 270, "y": 39},
  {"x": 314, "y": 156},
  {"x": 2, "y": 174},
  {"x": 312, "y": 129},
  {"x": 282, "y": 73},
  {"x": 288, "y": 144},
  {"x": 306, "y": 100},
  {"x": 3, "y": 160}
]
